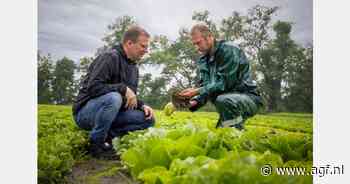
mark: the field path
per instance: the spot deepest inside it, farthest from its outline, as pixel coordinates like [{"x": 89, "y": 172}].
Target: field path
[{"x": 93, "y": 171}]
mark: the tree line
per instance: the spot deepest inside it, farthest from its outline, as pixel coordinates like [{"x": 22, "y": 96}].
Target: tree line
[{"x": 282, "y": 68}]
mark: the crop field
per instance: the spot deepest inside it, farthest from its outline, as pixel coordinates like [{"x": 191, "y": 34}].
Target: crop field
[{"x": 185, "y": 148}]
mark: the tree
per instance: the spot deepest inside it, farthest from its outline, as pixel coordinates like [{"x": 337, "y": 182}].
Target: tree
[
  {"x": 255, "y": 31},
  {"x": 273, "y": 65},
  {"x": 143, "y": 90},
  {"x": 63, "y": 83},
  {"x": 84, "y": 65},
  {"x": 176, "y": 58},
  {"x": 153, "y": 91},
  {"x": 299, "y": 81},
  {"x": 45, "y": 77},
  {"x": 83, "y": 68},
  {"x": 232, "y": 27}
]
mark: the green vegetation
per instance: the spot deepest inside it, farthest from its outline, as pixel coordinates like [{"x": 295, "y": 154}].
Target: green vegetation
[
  {"x": 185, "y": 148},
  {"x": 60, "y": 143}
]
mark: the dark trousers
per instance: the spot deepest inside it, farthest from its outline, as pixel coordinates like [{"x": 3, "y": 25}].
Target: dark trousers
[{"x": 234, "y": 109}]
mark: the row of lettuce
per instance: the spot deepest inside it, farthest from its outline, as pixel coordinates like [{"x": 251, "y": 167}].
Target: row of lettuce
[
  {"x": 60, "y": 143},
  {"x": 184, "y": 148}
]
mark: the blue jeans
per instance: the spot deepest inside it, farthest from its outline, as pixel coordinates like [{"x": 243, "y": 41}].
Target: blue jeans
[{"x": 105, "y": 116}]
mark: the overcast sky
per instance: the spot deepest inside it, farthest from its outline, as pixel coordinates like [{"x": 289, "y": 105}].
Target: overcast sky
[{"x": 74, "y": 28}]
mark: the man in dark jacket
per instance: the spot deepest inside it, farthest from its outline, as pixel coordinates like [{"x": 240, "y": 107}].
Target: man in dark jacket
[
  {"x": 107, "y": 103},
  {"x": 225, "y": 80}
]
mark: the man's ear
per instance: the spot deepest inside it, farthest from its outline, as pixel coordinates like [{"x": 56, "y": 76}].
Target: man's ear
[
  {"x": 211, "y": 37},
  {"x": 130, "y": 43}
]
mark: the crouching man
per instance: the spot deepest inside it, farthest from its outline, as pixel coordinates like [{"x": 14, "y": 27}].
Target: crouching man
[
  {"x": 225, "y": 80},
  {"x": 107, "y": 103}
]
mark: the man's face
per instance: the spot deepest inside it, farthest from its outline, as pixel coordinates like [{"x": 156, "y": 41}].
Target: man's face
[
  {"x": 139, "y": 48},
  {"x": 202, "y": 44}
]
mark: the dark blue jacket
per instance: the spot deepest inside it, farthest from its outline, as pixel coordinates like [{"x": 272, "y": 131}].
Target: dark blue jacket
[{"x": 111, "y": 71}]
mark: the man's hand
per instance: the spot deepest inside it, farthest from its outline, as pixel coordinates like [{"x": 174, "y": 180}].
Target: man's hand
[
  {"x": 189, "y": 92},
  {"x": 148, "y": 111},
  {"x": 193, "y": 103},
  {"x": 131, "y": 101}
]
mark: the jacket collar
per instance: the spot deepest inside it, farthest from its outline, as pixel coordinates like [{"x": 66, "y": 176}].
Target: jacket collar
[
  {"x": 211, "y": 55},
  {"x": 120, "y": 49}
]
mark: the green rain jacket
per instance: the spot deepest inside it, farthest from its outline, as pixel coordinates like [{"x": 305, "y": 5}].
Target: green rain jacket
[{"x": 226, "y": 71}]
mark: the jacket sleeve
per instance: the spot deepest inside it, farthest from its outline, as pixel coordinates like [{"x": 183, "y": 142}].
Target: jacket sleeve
[
  {"x": 103, "y": 71},
  {"x": 227, "y": 67},
  {"x": 140, "y": 103},
  {"x": 203, "y": 80}
]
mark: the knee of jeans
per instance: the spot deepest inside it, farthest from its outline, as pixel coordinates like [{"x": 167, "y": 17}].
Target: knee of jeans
[
  {"x": 82, "y": 123},
  {"x": 113, "y": 98},
  {"x": 146, "y": 123}
]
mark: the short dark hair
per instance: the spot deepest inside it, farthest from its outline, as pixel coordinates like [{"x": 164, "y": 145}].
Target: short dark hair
[
  {"x": 133, "y": 34},
  {"x": 202, "y": 28}
]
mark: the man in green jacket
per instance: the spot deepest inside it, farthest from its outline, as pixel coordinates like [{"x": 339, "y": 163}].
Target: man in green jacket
[{"x": 225, "y": 80}]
